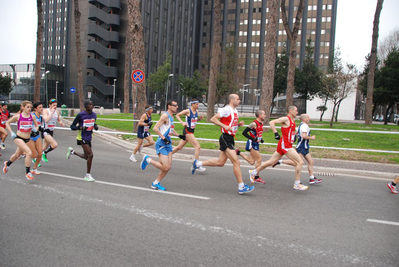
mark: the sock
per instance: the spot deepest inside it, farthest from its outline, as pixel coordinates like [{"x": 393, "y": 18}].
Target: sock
[
  {"x": 198, "y": 163},
  {"x": 9, "y": 163},
  {"x": 48, "y": 149},
  {"x": 148, "y": 160},
  {"x": 393, "y": 184},
  {"x": 27, "y": 169},
  {"x": 280, "y": 161},
  {"x": 255, "y": 172},
  {"x": 72, "y": 152},
  {"x": 256, "y": 176},
  {"x": 87, "y": 174},
  {"x": 311, "y": 177},
  {"x": 240, "y": 186},
  {"x": 155, "y": 182},
  {"x": 297, "y": 182}
]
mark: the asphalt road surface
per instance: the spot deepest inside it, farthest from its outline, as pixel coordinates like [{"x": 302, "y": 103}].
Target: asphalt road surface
[{"x": 61, "y": 220}]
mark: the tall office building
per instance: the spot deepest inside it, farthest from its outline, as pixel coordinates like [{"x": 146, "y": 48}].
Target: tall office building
[
  {"x": 169, "y": 25},
  {"x": 244, "y": 27}
]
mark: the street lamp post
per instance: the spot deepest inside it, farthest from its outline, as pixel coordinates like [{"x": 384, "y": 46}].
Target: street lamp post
[
  {"x": 56, "y": 89},
  {"x": 113, "y": 99},
  {"x": 243, "y": 90},
  {"x": 167, "y": 87},
  {"x": 46, "y": 97}
]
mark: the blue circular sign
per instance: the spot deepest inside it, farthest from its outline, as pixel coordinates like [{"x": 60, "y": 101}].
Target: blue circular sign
[{"x": 73, "y": 90}]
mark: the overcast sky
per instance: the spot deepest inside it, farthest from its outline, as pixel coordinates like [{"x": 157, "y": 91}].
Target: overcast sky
[{"x": 18, "y": 26}]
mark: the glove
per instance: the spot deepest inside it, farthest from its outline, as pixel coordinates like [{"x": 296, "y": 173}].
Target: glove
[
  {"x": 13, "y": 135},
  {"x": 34, "y": 134},
  {"x": 276, "y": 136},
  {"x": 181, "y": 136},
  {"x": 41, "y": 129},
  {"x": 167, "y": 141},
  {"x": 146, "y": 121},
  {"x": 149, "y": 124},
  {"x": 262, "y": 141},
  {"x": 96, "y": 127}
]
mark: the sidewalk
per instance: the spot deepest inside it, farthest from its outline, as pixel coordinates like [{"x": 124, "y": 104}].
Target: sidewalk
[{"x": 323, "y": 167}]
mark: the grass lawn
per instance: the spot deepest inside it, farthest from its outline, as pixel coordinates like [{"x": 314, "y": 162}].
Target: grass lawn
[{"x": 376, "y": 141}]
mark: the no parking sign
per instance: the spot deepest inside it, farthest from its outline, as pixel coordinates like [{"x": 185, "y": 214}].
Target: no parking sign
[{"x": 138, "y": 76}]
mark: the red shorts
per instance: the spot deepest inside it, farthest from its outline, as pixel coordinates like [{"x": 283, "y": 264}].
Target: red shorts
[{"x": 282, "y": 147}]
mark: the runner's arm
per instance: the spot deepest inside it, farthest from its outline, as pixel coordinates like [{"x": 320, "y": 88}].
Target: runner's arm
[
  {"x": 74, "y": 126},
  {"x": 161, "y": 121},
  {"x": 59, "y": 119},
  {"x": 185, "y": 113},
  {"x": 13, "y": 119}
]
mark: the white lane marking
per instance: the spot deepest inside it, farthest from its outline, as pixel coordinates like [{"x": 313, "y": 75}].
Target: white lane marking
[
  {"x": 383, "y": 222},
  {"x": 130, "y": 186}
]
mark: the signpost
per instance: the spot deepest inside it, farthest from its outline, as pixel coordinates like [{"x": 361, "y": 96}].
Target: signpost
[
  {"x": 73, "y": 90},
  {"x": 138, "y": 76}
]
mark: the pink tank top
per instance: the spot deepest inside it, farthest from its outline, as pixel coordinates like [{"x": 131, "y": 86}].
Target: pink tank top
[{"x": 25, "y": 124}]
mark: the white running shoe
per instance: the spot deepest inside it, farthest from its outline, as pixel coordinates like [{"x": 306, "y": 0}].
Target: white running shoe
[
  {"x": 3, "y": 146},
  {"x": 201, "y": 169},
  {"x": 69, "y": 153},
  {"x": 89, "y": 178},
  {"x": 133, "y": 158},
  {"x": 300, "y": 186}
]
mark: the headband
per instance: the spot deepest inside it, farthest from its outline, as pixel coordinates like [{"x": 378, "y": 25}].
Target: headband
[
  {"x": 194, "y": 102},
  {"x": 147, "y": 109}
]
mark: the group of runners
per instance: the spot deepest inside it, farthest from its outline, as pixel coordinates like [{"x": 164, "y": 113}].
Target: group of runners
[{"x": 35, "y": 128}]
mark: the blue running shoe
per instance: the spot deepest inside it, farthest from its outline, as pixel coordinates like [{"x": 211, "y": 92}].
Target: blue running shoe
[
  {"x": 158, "y": 186},
  {"x": 246, "y": 189},
  {"x": 144, "y": 162},
  {"x": 194, "y": 166}
]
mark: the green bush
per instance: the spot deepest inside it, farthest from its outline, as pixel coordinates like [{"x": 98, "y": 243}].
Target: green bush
[{"x": 13, "y": 108}]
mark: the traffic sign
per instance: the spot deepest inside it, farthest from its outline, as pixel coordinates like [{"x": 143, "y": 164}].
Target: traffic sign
[
  {"x": 138, "y": 76},
  {"x": 73, "y": 89}
]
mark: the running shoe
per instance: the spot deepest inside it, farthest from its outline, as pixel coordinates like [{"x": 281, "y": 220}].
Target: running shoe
[
  {"x": 144, "y": 162},
  {"x": 44, "y": 158},
  {"x": 275, "y": 164},
  {"x": 315, "y": 181},
  {"x": 201, "y": 169},
  {"x": 251, "y": 176},
  {"x": 300, "y": 186},
  {"x": 158, "y": 186},
  {"x": 6, "y": 168},
  {"x": 392, "y": 188},
  {"x": 35, "y": 171},
  {"x": 140, "y": 148},
  {"x": 33, "y": 160},
  {"x": 246, "y": 189},
  {"x": 194, "y": 166},
  {"x": 29, "y": 176},
  {"x": 69, "y": 153},
  {"x": 132, "y": 158},
  {"x": 259, "y": 181},
  {"x": 3, "y": 146},
  {"x": 89, "y": 178}
]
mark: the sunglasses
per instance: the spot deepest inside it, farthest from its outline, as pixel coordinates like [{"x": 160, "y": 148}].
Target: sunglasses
[
  {"x": 53, "y": 100},
  {"x": 175, "y": 105}
]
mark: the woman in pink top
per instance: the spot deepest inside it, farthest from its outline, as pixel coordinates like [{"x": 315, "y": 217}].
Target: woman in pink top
[{"x": 26, "y": 124}]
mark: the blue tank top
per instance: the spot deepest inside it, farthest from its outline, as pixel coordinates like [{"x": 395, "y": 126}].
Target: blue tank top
[
  {"x": 302, "y": 143},
  {"x": 192, "y": 120},
  {"x": 145, "y": 128}
]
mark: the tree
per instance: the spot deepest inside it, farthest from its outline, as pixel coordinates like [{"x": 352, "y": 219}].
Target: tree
[
  {"x": 194, "y": 88},
  {"x": 126, "y": 78},
  {"x": 292, "y": 35},
  {"x": 280, "y": 75},
  {"x": 137, "y": 54},
  {"x": 226, "y": 82},
  {"x": 269, "y": 59},
  {"x": 308, "y": 80},
  {"x": 39, "y": 51},
  {"x": 215, "y": 59},
  {"x": 5, "y": 84},
  {"x": 156, "y": 80},
  {"x": 388, "y": 44},
  {"x": 373, "y": 59},
  {"x": 79, "y": 64}
]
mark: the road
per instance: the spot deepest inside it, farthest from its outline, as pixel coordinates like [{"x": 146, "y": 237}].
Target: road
[{"x": 61, "y": 220}]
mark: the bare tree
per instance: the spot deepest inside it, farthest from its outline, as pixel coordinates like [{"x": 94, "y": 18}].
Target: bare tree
[
  {"x": 39, "y": 50},
  {"x": 373, "y": 59},
  {"x": 292, "y": 36},
  {"x": 137, "y": 54},
  {"x": 79, "y": 90},
  {"x": 126, "y": 88},
  {"x": 269, "y": 59},
  {"x": 388, "y": 44},
  {"x": 215, "y": 60}
]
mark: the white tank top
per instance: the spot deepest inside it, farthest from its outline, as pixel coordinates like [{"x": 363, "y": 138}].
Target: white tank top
[{"x": 50, "y": 125}]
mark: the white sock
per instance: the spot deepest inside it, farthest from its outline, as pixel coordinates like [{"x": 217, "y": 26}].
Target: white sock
[
  {"x": 297, "y": 182},
  {"x": 87, "y": 174},
  {"x": 241, "y": 185},
  {"x": 148, "y": 160},
  {"x": 198, "y": 163},
  {"x": 280, "y": 161},
  {"x": 311, "y": 177},
  {"x": 254, "y": 172},
  {"x": 155, "y": 182}
]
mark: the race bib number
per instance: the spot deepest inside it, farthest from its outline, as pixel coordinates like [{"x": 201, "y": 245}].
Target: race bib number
[
  {"x": 193, "y": 122},
  {"x": 172, "y": 128},
  {"x": 146, "y": 128},
  {"x": 25, "y": 126},
  {"x": 89, "y": 124},
  {"x": 4, "y": 122},
  {"x": 234, "y": 125}
]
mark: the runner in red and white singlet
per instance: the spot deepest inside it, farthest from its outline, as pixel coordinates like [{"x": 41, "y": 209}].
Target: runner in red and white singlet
[{"x": 284, "y": 147}]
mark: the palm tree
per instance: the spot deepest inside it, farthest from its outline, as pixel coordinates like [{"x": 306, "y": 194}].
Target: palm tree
[
  {"x": 135, "y": 29},
  {"x": 373, "y": 58},
  {"x": 215, "y": 60},
  {"x": 269, "y": 59},
  {"x": 77, "y": 15},
  {"x": 292, "y": 35},
  {"x": 39, "y": 50}
]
